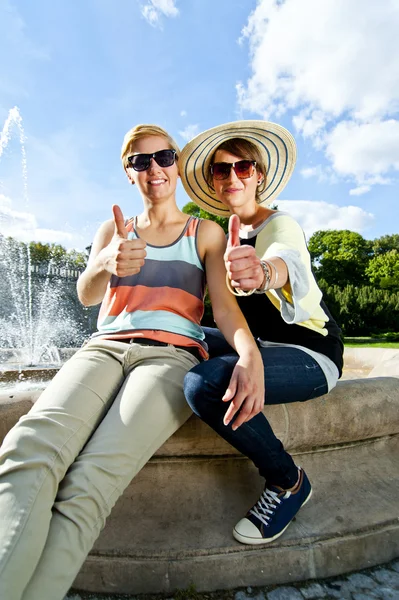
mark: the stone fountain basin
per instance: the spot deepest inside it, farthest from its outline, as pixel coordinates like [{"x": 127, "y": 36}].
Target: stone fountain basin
[
  {"x": 13, "y": 357},
  {"x": 16, "y": 377},
  {"x": 371, "y": 362},
  {"x": 368, "y": 375},
  {"x": 172, "y": 526}
]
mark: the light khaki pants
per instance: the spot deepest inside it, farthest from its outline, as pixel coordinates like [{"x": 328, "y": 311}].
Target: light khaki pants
[{"x": 66, "y": 462}]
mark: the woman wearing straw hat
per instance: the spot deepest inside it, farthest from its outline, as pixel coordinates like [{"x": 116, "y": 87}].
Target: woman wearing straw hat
[{"x": 238, "y": 169}]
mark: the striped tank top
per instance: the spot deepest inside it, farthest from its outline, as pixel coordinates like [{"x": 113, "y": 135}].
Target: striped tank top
[{"x": 165, "y": 300}]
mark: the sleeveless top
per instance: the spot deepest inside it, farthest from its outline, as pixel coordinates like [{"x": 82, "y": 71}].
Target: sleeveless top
[{"x": 165, "y": 300}]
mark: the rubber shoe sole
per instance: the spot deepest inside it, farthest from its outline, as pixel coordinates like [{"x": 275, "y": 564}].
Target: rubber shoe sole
[{"x": 255, "y": 541}]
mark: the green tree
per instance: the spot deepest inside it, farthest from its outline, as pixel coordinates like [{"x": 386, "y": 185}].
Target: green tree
[
  {"x": 385, "y": 244},
  {"x": 362, "y": 310},
  {"x": 42, "y": 254},
  {"x": 383, "y": 270},
  {"x": 340, "y": 256},
  {"x": 192, "y": 209},
  {"x": 77, "y": 259}
]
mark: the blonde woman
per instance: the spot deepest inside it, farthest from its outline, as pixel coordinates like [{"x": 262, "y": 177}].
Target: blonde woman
[
  {"x": 238, "y": 169},
  {"x": 63, "y": 466}
]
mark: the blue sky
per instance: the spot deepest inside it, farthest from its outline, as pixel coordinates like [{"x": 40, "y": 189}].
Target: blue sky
[{"x": 84, "y": 72}]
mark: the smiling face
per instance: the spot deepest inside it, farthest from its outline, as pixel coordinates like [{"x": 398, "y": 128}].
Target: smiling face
[
  {"x": 156, "y": 182},
  {"x": 235, "y": 193}
]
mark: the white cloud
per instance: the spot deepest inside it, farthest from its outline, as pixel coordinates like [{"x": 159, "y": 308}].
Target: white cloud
[
  {"x": 189, "y": 132},
  {"x": 345, "y": 61},
  {"x": 367, "y": 151},
  {"x": 155, "y": 9},
  {"x": 320, "y": 172},
  {"x": 60, "y": 193},
  {"x": 359, "y": 191},
  {"x": 342, "y": 67},
  {"x": 308, "y": 172},
  {"x": 314, "y": 216},
  {"x": 23, "y": 226},
  {"x": 183, "y": 113},
  {"x": 309, "y": 123}
]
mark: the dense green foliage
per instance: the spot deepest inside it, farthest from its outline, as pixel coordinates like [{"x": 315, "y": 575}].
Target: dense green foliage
[
  {"x": 383, "y": 270},
  {"x": 363, "y": 310},
  {"x": 359, "y": 279},
  {"x": 70, "y": 259},
  {"x": 192, "y": 209},
  {"x": 342, "y": 257},
  {"x": 43, "y": 255}
]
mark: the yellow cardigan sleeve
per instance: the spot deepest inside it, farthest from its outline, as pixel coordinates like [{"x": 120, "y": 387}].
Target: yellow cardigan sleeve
[{"x": 299, "y": 300}]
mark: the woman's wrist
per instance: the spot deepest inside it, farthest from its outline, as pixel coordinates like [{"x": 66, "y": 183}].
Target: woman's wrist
[
  {"x": 267, "y": 274},
  {"x": 269, "y": 280}
]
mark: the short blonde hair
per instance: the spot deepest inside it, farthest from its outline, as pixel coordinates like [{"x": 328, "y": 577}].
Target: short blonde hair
[{"x": 141, "y": 131}]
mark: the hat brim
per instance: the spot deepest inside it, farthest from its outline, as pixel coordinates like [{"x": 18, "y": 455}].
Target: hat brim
[{"x": 275, "y": 143}]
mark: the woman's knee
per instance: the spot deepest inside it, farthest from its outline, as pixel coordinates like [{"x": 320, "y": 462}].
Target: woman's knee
[
  {"x": 206, "y": 383},
  {"x": 195, "y": 389}
]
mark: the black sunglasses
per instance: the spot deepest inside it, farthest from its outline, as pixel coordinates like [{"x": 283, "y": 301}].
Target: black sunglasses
[
  {"x": 163, "y": 158},
  {"x": 244, "y": 169}
]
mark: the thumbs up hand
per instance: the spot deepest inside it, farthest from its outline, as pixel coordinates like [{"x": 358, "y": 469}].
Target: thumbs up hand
[
  {"x": 120, "y": 229},
  {"x": 242, "y": 264},
  {"x": 123, "y": 257},
  {"x": 234, "y": 229}
]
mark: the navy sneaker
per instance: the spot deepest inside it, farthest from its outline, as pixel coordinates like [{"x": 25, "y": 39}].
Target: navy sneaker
[{"x": 273, "y": 512}]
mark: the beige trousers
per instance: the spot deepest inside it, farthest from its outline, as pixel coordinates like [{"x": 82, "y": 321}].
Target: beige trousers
[{"x": 66, "y": 462}]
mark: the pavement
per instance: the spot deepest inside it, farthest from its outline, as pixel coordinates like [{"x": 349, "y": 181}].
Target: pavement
[{"x": 380, "y": 582}]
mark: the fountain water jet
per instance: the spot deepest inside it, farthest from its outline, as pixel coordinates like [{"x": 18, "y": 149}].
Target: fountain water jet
[{"x": 39, "y": 313}]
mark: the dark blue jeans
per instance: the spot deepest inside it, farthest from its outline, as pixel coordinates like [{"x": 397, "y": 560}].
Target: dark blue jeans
[{"x": 291, "y": 375}]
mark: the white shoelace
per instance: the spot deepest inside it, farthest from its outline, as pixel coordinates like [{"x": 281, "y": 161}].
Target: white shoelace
[{"x": 266, "y": 504}]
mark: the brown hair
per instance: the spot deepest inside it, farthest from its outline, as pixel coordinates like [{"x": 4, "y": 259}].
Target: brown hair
[
  {"x": 244, "y": 149},
  {"x": 141, "y": 131}
]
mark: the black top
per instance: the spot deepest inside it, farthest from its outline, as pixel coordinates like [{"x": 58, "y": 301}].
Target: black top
[{"x": 266, "y": 323}]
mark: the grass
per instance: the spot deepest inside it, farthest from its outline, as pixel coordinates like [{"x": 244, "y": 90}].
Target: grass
[{"x": 369, "y": 342}]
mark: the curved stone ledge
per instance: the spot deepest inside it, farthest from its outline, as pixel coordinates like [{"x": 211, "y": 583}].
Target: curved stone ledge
[
  {"x": 172, "y": 527},
  {"x": 355, "y": 410}
]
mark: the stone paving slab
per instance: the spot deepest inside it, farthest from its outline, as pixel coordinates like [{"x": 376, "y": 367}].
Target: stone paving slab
[{"x": 381, "y": 583}]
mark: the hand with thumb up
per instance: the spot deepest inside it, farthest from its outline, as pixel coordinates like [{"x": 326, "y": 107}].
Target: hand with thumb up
[
  {"x": 242, "y": 264},
  {"x": 123, "y": 257}
]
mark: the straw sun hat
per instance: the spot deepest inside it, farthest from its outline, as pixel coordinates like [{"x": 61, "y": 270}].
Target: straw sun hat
[{"x": 275, "y": 143}]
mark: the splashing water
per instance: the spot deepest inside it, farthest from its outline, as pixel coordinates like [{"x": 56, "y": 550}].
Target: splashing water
[
  {"x": 14, "y": 119},
  {"x": 37, "y": 310}
]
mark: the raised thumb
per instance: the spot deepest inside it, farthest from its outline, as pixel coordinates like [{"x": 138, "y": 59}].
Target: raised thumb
[
  {"x": 234, "y": 228},
  {"x": 119, "y": 221}
]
